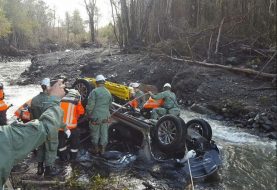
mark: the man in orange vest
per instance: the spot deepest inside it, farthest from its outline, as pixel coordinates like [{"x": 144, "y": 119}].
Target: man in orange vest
[
  {"x": 73, "y": 109},
  {"x": 3, "y": 106}
]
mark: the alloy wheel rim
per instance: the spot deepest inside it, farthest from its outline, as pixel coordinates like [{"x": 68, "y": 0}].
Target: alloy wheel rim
[{"x": 167, "y": 132}]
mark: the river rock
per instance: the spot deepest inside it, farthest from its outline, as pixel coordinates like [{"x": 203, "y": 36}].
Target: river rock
[
  {"x": 274, "y": 109},
  {"x": 266, "y": 127},
  {"x": 200, "y": 109},
  {"x": 250, "y": 121},
  {"x": 272, "y": 135},
  {"x": 240, "y": 125}
]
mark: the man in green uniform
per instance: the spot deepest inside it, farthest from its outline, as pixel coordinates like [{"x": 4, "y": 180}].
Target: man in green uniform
[
  {"x": 170, "y": 105},
  {"x": 98, "y": 112},
  {"x": 18, "y": 139},
  {"x": 47, "y": 151}
]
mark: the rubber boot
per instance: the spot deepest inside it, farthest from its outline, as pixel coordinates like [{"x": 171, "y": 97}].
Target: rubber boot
[
  {"x": 73, "y": 156},
  {"x": 102, "y": 149},
  {"x": 63, "y": 155},
  {"x": 51, "y": 171},
  {"x": 94, "y": 150},
  {"x": 40, "y": 170}
]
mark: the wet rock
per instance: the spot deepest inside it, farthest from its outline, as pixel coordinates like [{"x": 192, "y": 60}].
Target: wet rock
[
  {"x": 250, "y": 121},
  {"x": 272, "y": 135},
  {"x": 240, "y": 125},
  {"x": 232, "y": 60},
  {"x": 200, "y": 109},
  {"x": 255, "y": 125},
  {"x": 251, "y": 114},
  {"x": 266, "y": 127},
  {"x": 274, "y": 109},
  {"x": 217, "y": 117}
]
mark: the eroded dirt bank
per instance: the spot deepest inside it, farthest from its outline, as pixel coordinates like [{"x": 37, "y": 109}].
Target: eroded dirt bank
[{"x": 245, "y": 100}]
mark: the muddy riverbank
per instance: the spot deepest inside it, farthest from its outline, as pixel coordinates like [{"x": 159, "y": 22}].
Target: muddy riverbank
[{"x": 248, "y": 101}]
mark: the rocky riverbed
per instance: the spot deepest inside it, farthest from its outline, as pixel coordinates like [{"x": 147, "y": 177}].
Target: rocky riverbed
[{"x": 248, "y": 101}]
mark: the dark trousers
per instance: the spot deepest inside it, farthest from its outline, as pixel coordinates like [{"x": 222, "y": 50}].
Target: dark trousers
[
  {"x": 3, "y": 117},
  {"x": 68, "y": 145}
]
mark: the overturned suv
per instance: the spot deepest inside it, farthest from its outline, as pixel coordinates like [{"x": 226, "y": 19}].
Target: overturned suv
[{"x": 169, "y": 138}]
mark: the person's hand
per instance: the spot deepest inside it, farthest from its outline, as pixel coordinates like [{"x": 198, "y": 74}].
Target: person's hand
[
  {"x": 150, "y": 93},
  {"x": 67, "y": 132}
]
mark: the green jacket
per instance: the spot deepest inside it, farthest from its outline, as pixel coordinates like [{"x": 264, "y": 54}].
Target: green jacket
[
  {"x": 99, "y": 103},
  {"x": 37, "y": 104},
  {"x": 17, "y": 140},
  {"x": 170, "y": 100}
]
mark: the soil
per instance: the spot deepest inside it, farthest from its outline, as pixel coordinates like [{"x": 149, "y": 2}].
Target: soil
[{"x": 222, "y": 94}]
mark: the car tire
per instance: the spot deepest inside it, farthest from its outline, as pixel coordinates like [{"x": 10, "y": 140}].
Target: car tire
[
  {"x": 84, "y": 88},
  {"x": 168, "y": 133},
  {"x": 200, "y": 126}
]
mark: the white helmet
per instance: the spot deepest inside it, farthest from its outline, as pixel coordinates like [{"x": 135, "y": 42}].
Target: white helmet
[
  {"x": 100, "y": 78},
  {"x": 46, "y": 82},
  {"x": 135, "y": 85},
  {"x": 167, "y": 85},
  {"x": 73, "y": 93}
]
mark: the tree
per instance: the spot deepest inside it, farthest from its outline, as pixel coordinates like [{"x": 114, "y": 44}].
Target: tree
[
  {"x": 91, "y": 10},
  {"x": 77, "y": 25},
  {"x": 67, "y": 25},
  {"x": 5, "y": 26}
]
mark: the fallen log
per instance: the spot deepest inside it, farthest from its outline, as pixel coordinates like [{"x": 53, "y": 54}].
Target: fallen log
[
  {"x": 230, "y": 68},
  {"x": 37, "y": 182}
]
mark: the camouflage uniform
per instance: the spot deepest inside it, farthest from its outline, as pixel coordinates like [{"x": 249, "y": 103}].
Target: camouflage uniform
[
  {"x": 170, "y": 105},
  {"x": 98, "y": 110}
]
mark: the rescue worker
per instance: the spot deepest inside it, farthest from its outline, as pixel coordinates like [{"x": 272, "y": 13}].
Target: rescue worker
[
  {"x": 98, "y": 112},
  {"x": 139, "y": 99},
  {"x": 46, "y": 153},
  {"x": 18, "y": 139},
  {"x": 73, "y": 109},
  {"x": 3, "y": 106},
  {"x": 170, "y": 105}
]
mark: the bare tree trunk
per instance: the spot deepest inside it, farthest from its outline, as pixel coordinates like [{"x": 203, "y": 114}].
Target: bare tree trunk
[
  {"x": 90, "y": 7},
  {"x": 125, "y": 22},
  {"x": 114, "y": 25}
]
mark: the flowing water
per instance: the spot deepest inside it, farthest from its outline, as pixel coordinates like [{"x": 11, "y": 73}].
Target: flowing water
[{"x": 249, "y": 162}]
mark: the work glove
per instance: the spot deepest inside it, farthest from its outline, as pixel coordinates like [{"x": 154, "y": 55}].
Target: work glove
[{"x": 68, "y": 133}]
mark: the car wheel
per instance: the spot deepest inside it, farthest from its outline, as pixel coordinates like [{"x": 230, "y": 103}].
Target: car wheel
[
  {"x": 199, "y": 127},
  {"x": 168, "y": 133},
  {"x": 84, "y": 88}
]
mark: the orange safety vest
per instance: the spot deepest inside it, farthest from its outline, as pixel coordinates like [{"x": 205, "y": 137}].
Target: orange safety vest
[
  {"x": 73, "y": 109},
  {"x": 151, "y": 103},
  {"x": 1, "y": 94},
  {"x": 3, "y": 105},
  {"x": 134, "y": 103},
  {"x": 23, "y": 112}
]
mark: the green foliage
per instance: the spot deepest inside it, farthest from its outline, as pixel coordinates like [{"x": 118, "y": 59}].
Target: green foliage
[
  {"x": 77, "y": 24},
  {"x": 5, "y": 26},
  {"x": 106, "y": 34}
]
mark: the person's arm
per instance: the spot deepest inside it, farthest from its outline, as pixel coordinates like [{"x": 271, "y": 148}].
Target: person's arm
[
  {"x": 80, "y": 109},
  {"x": 158, "y": 96},
  {"x": 91, "y": 103}
]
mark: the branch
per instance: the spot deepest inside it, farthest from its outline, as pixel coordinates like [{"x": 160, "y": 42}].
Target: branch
[
  {"x": 218, "y": 36},
  {"x": 266, "y": 64},
  {"x": 230, "y": 68}
]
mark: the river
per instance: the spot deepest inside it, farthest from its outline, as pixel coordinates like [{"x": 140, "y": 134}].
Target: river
[{"x": 249, "y": 162}]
